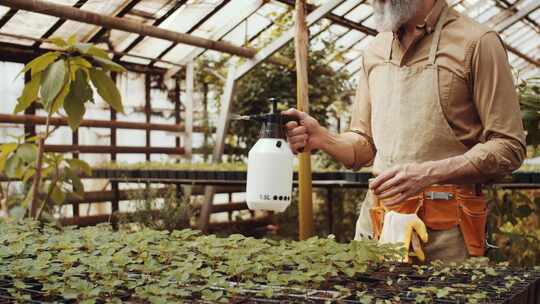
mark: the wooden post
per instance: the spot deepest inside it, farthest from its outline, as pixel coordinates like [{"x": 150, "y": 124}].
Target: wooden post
[
  {"x": 301, "y": 41},
  {"x": 190, "y": 69},
  {"x": 147, "y": 110}
]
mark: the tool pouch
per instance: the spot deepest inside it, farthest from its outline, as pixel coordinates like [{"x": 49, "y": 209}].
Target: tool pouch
[
  {"x": 473, "y": 217},
  {"x": 377, "y": 219}
]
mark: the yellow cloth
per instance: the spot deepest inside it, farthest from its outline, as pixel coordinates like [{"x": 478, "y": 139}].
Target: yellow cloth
[{"x": 399, "y": 228}]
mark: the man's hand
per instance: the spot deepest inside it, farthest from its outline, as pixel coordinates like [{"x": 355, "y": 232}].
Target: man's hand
[
  {"x": 305, "y": 136},
  {"x": 402, "y": 182}
]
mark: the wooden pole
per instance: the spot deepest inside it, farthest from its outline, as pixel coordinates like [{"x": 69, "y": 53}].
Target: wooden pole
[
  {"x": 188, "y": 140},
  {"x": 122, "y": 24},
  {"x": 301, "y": 40}
]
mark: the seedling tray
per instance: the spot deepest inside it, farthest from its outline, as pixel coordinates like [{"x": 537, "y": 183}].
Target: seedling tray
[{"x": 41, "y": 264}]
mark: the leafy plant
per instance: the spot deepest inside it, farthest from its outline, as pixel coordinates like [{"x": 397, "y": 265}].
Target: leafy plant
[
  {"x": 171, "y": 211},
  {"x": 99, "y": 264},
  {"x": 529, "y": 99},
  {"x": 61, "y": 83},
  {"x": 514, "y": 226}
]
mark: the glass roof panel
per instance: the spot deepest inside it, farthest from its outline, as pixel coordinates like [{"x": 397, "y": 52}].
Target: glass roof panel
[
  {"x": 84, "y": 31},
  {"x": 345, "y": 7},
  {"x": 360, "y": 13},
  {"x": 214, "y": 28},
  {"x": 30, "y": 24}
]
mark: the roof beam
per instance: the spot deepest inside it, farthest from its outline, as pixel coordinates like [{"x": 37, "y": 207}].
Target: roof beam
[
  {"x": 158, "y": 21},
  {"x": 337, "y": 19},
  {"x": 518, "y": 53},
  {"x": 70, "y": 13},
  {"x": 23, "y": 54},
  {"x": 58, "y": 24},
  {"x": 195, "y": 27},
  {"x": 250, "y": 9},
  {"x": 8, "y": 17},
  {"x": 506, "y": 23},
  {"x": 102, "y": 31},
  {"x": 286, "y": 37},
  {"x": 509, "y": 6}
]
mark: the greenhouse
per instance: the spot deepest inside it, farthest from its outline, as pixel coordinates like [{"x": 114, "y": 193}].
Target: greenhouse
[{"x": 270, "y": 151}]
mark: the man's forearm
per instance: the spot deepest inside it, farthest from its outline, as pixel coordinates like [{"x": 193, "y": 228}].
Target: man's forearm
[
  {"x": 455, "y": 170},
  {"x": 351, "y": 149}
]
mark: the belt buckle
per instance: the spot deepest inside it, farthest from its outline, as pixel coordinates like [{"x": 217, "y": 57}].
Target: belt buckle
[{"x": 439, "y": 196}]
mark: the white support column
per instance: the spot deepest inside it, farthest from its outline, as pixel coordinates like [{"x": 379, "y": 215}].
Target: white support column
[
  {"x": 221, "y": 134},
  {"x": 188, "y": 133}
]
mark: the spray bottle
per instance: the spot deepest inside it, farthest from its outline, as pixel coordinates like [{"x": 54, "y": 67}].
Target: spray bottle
[{"x": 270, "y": 164}]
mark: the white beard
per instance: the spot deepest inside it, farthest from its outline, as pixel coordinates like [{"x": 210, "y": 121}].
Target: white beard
[{"x": 392, "y": 14}]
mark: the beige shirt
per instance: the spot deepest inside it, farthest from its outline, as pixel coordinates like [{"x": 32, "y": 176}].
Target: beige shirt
[{"x": 476, "y": 87}]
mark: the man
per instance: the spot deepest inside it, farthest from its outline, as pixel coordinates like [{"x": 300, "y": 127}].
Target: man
[{"x": 435, "y": 113}]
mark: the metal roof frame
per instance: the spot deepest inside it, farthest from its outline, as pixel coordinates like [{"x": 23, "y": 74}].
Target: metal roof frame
[{"x": 519, "y": 11}]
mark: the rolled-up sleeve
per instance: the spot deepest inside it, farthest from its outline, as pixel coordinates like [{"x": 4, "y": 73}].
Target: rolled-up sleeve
[
  {"x": 502, "y": 148},
  {"x": 364, "y": 150}
]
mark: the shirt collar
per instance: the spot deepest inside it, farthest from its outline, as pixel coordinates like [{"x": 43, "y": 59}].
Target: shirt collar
[{"x": 433, "y": 17}]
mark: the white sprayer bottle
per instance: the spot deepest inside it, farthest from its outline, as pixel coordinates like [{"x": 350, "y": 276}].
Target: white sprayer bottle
[{"x": 270, "y": 165}]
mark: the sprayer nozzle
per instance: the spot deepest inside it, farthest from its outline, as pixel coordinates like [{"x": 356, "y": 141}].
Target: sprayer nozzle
[{"x": 240, "y": 117}]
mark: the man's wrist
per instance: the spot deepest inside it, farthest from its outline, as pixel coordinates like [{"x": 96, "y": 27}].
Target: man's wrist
[
  {"x": 321, "y": 139},
  {"x": 435, "y": 171}
]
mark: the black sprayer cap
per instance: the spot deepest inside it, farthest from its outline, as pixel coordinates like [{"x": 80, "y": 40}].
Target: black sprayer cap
[{"x": 273, "y": 122}]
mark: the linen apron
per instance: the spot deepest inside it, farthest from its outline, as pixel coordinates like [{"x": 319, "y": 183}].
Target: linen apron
[{"x": 408, "y": 126}]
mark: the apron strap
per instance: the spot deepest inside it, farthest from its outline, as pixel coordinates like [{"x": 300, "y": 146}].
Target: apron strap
[
  {"x": 437, "y": 37},
  {"x": 388, "y": 55}
]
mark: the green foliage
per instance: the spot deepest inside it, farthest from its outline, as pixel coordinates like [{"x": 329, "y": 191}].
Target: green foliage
[
  {"x": 59, "y": 80},
  {"x": 327, "y": 89},
  {"x": 529, "y": 99},
  {"x": 514, "y": 226},
  {"x": 62, "y": 79},
  {"x": 98, "y": 264},
  {"x": 172, "y": 212}
]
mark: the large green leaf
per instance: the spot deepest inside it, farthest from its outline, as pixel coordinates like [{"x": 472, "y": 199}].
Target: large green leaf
[
  {"x": 79, "y": 93},
  {"x": 13, "y": 167},
  {"x": 27, "y": 152},
  {"x": 59, "y": 101},
  {"x": 83, "y": 48},
  {"x": 78, "y": 186},
  {"x": 6, "y": 150},
  {"x": 29, "y": 94},
  {"x": 79, "y": 165},
  {"x": 58, "y": 41},
  {"x": 106, "y": 88},
  {"x": 52, "y": 83},
  {"x": 97, "y": 52},
  {"x": 40, "y": 63},
  {"x": 57, "y": 195},
  {"x": 109, "y": 64}
]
